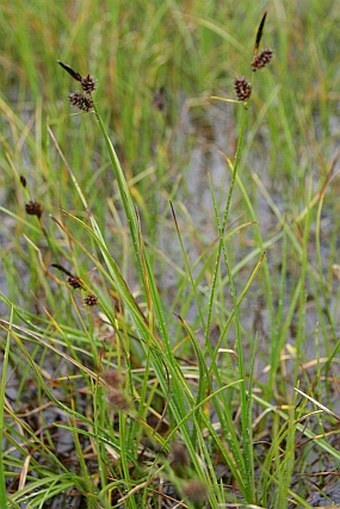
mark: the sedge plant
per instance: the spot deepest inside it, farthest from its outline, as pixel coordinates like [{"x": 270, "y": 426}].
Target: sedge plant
[{"x": 149, "y": 404}]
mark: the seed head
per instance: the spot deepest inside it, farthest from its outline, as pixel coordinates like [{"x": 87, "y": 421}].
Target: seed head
[
  {"x": 91, "y": 300},
  {"x": 33, "y": 208},
  {"x": 81, "y": 100},
  {"x": 118, "y": 399},
  {"x": 75, "y": 282},
  {"x": 112, "y": 377},
  {"x": 88, "y": 84},
  {"x": 242, "y": 89},
  {"x": 178, "y": 456},
  {"x": 262, "y": 59},
  {"x": 195, "y": 491}
]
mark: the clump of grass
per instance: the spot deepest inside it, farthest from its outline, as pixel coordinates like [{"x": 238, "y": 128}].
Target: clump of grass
[{"x": 157, "y": 405}]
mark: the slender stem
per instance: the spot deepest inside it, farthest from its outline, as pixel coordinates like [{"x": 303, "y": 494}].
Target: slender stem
[
  {"x": 128, "y": 205},
  {"x": 225, "y": 219}
]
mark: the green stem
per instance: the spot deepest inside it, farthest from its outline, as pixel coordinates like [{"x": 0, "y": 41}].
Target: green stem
[{"x": 225, "y": 220}]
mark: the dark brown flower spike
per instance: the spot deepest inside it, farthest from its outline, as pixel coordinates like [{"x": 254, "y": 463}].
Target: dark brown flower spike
[
  {"x": 88, "y": 84},
  {"x": 61, "y": 268},
  {"x": 23, "y": 181},
  {"x": 259, "y": 34},
  {"x": 75, "y": 75},
  {"x": 117, "y": 399},
  {"x": 112, "y": 377},
  {"x": 74, "y": 281},
  {"x": 242, "y": 89},
  {"x": 81, "y": 100},
  {"x": 33, "y": 208},
  {"x": 91, "y": 300},
  {"x": 262, "y": 59},
  {"x": 179, "y": 458},
  {"x": 196, "y": 491}
]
